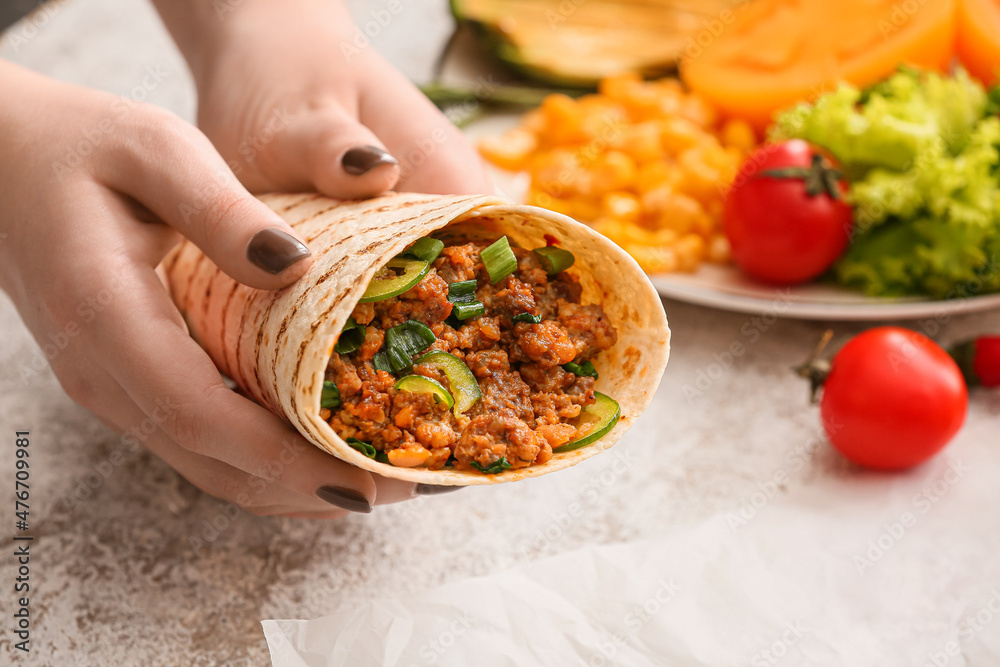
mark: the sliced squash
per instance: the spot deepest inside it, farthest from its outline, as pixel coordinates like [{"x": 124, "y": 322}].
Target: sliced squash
[
  {"x": 978, "y": 42},
  {"x": 775, "y": 53},
  {"x": 578, "y": 42}
]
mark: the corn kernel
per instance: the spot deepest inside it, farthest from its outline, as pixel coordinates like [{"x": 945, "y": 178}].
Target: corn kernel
[
  {"x": 642, "y": 143},
  {"x": 613, "y": 171},
  {"x": 680, "y": 213},
  {"x": 690, "y": 251},
  {"x": 719, "y": 250},
  {"x": 621, "y": 205},
  {"x": 678, "y": 135},
  {"x": 617, "y": 86},
  {"x": 510, "y": 150},
  {"x": 738, "y": 134}
]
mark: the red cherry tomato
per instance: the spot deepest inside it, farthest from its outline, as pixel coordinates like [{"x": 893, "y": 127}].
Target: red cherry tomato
[
  {"x": 893, "y": 399},
  {"x": 785, "y": 214}
]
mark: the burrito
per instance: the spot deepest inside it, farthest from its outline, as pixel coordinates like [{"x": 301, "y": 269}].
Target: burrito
[{"x": 450, "y": 340}]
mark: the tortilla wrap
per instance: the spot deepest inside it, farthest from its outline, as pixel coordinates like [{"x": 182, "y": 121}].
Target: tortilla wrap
[{"x": 275, "y": 345}]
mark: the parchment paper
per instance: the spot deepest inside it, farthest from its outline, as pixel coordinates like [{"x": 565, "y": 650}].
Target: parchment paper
[{"x": 842, "y": 574}]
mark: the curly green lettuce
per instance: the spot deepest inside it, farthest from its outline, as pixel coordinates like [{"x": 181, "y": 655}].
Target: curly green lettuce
[{"x": 923, "y": 152}]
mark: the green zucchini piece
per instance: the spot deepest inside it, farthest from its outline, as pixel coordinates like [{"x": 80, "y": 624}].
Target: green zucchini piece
[
  {"x": 419, "y": 384},
  {"x": 597, "y": 420},
  {"x": 461, "y": 381},
  {"x": 387, "y": 284}
]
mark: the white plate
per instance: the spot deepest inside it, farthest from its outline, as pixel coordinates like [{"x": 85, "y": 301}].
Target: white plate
[{"x": 725, "y": 287}]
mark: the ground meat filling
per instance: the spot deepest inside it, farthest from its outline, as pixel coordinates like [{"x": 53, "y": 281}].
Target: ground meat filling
[{"x": 527, "y": 397}]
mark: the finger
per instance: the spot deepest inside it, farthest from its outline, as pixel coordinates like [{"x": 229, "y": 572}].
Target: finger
[
  {"x": 434, "y": 155},
  {"x": 172, "y": 380},
  {"x": 173, "y": 170},
  {"x": 327, "y": 150},
  {"x": 254, "y": 494}
]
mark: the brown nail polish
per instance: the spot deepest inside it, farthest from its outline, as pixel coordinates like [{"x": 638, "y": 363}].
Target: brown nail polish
[
  {"x": 361, "y": 160},
  {"x": 274, "y": 250},
  {"x": 434, "y": 489},
  {"x": 346, "y": 499}
]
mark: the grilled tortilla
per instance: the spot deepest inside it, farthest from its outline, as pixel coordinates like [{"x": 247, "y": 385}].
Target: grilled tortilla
[{"x": 276, "y": 345}]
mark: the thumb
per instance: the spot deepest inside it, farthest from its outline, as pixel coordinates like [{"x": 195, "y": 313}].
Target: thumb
[{"x": 187, "y": 185}]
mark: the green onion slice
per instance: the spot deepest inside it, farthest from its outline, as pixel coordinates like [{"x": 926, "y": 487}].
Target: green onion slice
[
  {"x": 462, "y": 295},
  {"x": 586, "y": 369},
  {"x": 382, "y": 457},
  {"x": 594, "y": 422},
  {"x": 554, "y": 259},
  {"x": 462, "y": 291},
  {"x": 499, "y": 260},
  {"x": 387, "y": 283},
  {"x": 493, "y": 468},
  {"x": 330, "y": 397},
  {"x": 364, "y": 447},
  {"x": 352, "y": 336},
  {"x": 464, "y": 311},
  {"x": 461, "y": 381},
  {"x": 410, "y": 337},
  {"x": 381, "y": 362},
  {"x": 420, "y": 384},
  {"x": 426, "y": 249},
  {"x": 401, "y": 343},
  {"x": 528, "y": 317}
]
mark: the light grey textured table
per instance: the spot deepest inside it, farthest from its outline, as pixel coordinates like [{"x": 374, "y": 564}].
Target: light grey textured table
[{"x": 134, "y": 566}]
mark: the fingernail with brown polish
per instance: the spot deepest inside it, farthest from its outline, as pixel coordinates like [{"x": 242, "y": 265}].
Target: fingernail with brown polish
[
  {"x": 434, "y": 489},
  {"x": 361, "y": 160},
  {"x": 274, "y": 250},
  {"x": 347, "y": 499}
]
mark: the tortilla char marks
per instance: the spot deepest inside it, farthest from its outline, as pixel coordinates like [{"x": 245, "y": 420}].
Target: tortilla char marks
[
  {"x": 175, "y": 257},
  {"x": 222, "y": 331},
  {"x": 192, "y": 276},
  {"x": 312, "y": 216},
  {"x": 299, "y": 356},
  {"x": 283, "y": 327},
  {"x": 302, "y": 200}
]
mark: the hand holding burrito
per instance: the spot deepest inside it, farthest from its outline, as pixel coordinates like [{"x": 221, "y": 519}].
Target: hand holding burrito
[{"x": 277, "y": 346}]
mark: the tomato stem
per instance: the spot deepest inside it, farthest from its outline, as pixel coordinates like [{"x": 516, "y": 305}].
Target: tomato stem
[
  {"x": 815, "y": 369},
  {"x": 819, "y": 176}
]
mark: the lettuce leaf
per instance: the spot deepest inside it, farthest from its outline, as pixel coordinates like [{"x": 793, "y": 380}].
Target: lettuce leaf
[{"x": 924, "y": 155}]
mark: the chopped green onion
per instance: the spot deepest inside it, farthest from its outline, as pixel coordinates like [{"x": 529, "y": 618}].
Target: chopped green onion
[
  {"x": 387, "y": 284},
  {"x": 401, "y": 343},
  {"x": 493, "y": 468},
  {"x": 464, "y": 311},
  {"x": 528, "y": 317},
  {"x": 363, "y": 447},
  {"x": 382, "y": 457},
  {"x": 330, "y": 397},
  {"x": 462, "y": 290},
  {"x": 381, "y": 362},
  {"x": 426, "y": 249},
  {"x": 351, "y": 337},
  {"x": 499, "y": 260},
  {"x": 398, "y": 359},
  {"x": 462, "y": 295},
  {"x": 555, "y": 259},
  {"x": 410, "y": 337},
  {"x": 586, "y": 369}
]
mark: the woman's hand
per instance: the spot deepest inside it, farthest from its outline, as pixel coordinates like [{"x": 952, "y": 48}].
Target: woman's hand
[
  {"x": 94, "y": 190},
  {"x": 293, "y": 103}
]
